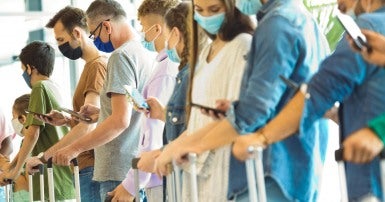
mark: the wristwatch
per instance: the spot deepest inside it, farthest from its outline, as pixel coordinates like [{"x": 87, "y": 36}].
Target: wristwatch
[{"x": 41, "y": 157}]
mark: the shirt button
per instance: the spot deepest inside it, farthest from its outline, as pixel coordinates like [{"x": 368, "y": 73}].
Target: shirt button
[
  {"x": 179, "y": 81},
  {"x": 169, "y": 113},
  {"x": 174, "y": 119}
]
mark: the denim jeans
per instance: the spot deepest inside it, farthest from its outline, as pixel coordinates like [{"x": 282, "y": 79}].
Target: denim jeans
[
  {"x": 89, "y": 189},
  {"x": 273, "y": 193}
]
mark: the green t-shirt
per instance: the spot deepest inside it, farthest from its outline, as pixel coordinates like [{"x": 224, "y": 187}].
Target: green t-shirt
[
  {"x": 44, "y": 98},
  {"x": 378, "y": 126}
]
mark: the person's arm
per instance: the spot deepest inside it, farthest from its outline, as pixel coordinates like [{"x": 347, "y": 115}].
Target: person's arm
[
  {"x": 106, "y": 131},
  {"x": 31, "y": 135},
  {"x": 78, "y": 131}
]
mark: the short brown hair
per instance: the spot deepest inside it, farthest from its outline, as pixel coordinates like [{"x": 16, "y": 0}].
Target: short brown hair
[
  {"x": 21, "y": 104},
  {"x": 159, "y": 7},
  {"x": 70, "y": 17}
]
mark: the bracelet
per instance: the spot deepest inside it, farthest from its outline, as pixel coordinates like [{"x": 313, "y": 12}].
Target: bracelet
[{"x": 265, "y": 139}]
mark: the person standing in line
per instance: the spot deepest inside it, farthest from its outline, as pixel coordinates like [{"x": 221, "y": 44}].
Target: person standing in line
[
  {"x": 115, "y": 139},
  {"x": 37, "y": 62},
  {"x": 70, "y": 29},
  {"x": 216, "y": 74},
  {"x": 160, "y": 85}
]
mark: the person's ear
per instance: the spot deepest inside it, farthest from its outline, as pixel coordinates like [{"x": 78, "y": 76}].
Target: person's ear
[
  {"x": 29, "y": 69},
  {"x": 76, "y": 32},
  {"x": 107, "y": 26},
  {"x": 22, "y": 119}
]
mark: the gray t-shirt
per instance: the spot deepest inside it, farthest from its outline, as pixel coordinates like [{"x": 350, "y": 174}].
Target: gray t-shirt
[{"x": 127, "y": 65}]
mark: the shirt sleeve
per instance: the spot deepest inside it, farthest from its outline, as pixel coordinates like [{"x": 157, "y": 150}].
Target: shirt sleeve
[
  {"x": 122, "y": 71},
  {"x": 336, "y": 79},
  {"x": 5, "y": 128},
  {"x": 377, "y": 125},
  {"x": 95, "y": 78},
  {"x": 271, "y": 55}
]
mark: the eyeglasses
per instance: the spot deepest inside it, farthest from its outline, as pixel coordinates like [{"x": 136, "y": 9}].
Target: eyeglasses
[{"x": 92, "y": 34}]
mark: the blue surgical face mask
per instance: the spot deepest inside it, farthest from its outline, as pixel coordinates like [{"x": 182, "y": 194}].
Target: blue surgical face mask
[
  {"x": 69, "y": 52},
  {"x": 248, "y": 7},
  {"x": 149, "y": 45},
  {"x": 211, "y": 24},
  {"x": 105, "y": 47},
  {"x": 27, "y": 78},
  {"x": 172, "y": 54}
]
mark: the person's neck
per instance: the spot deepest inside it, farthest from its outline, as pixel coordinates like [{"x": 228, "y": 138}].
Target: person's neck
[
  {"x": 90, "y": 52},
  {"x": 125, "y": 34},
  {"x": 38, "y": 77}
]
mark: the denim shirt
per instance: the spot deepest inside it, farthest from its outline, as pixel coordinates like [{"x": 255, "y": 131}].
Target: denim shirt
[
  {"x": 176, "y": 106},
  {"x": 359, "y": 86},
  {"x": 286, "y": 42}
]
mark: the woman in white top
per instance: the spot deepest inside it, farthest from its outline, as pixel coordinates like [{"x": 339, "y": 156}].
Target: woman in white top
[{"x": 217, "y": 75}]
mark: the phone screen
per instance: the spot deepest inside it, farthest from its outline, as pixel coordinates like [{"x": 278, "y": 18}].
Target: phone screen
[
  {"x": 137, "y": 98},
  {"x": 75, "y": 114},
  {"x": 353, "y": 30},
  {"x": 217, "y": 111}
]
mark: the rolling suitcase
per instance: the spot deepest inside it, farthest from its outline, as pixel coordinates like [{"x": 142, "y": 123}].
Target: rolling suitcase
[
  {"x": 338, "y": 154},
  {"x": 255, "y": 175},
  {"x": 51, "y": 182},
  {"x": 174, "y": 185},
  {"x": 41, "y": 179}
]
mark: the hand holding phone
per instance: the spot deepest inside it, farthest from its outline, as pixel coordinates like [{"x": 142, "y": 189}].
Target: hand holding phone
[
  {"x": 75, "y": 114},
  {"x": 216, "y": 111},
  {"x": 137, "y": 99},
  {"x": 45, "y": 116},
  {"x": 353, "y": 30}
]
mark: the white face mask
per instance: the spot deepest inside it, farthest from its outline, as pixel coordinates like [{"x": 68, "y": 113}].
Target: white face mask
[{"x": 18, "y": 127}]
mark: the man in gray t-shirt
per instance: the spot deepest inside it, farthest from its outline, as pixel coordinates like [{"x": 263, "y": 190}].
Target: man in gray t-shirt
[{"x": 116, "y": 137}]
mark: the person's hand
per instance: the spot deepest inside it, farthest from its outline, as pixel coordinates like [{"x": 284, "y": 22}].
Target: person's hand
[
  {"x": 376, "y": 41},
  {"x": 362, "y": 146},
  {"x": 90, "y": 111},
  {"x": 147, "y": 161},
  {"x": 242, "y": 143},
  {"x": 8, "y": 176},
  {"x": 156, "y": 109},
  {"x": 32, "y": 164},
  {"x": 163, "y": 164},
  {"x": 64, "y": 156},
  {"x": 120, "y": 194},
  {"x": 54, "y": 118}
]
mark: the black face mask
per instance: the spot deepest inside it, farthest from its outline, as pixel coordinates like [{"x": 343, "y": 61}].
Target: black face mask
[{"x": 70, "y": 52}]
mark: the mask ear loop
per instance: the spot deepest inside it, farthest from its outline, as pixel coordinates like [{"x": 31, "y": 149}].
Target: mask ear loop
[{"x": 168, "y": 40}]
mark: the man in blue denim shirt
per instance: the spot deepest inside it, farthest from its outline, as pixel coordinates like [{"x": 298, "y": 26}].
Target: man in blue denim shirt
[
  {"x": 286, "y": 42},
  {"x": 343, "y": 77}
]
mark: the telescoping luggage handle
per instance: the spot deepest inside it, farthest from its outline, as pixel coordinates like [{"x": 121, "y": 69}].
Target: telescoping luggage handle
[
  {"x": 255, "y": 174},
  {"x": 339, "y": 157},
  {"x": 51, "y": 182},
  {"x": 41, "y": 183},
  {"x": 134, "y": 165}
]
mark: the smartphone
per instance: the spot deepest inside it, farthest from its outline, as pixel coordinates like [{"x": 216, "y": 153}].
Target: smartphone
[
  {"x": 38, "y": 114},
  {"x": 216, "y": 111},
  {"x": 75, "y": 114},
  {"x": 290, "y": 83},
  {"x": 136, "y": 97},
  {"x": 353, "y": 30}
]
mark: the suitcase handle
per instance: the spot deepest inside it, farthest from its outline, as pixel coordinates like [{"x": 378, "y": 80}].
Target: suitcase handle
[{"x": 73, "y": 161}]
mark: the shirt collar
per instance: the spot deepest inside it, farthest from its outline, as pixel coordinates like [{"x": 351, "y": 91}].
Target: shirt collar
[{"x": 161, "y": 55}]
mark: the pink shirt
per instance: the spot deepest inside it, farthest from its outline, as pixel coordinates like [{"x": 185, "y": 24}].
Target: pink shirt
[
  {"x": 5, "y": 127},
  {"x": 160, "y": 85}
]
